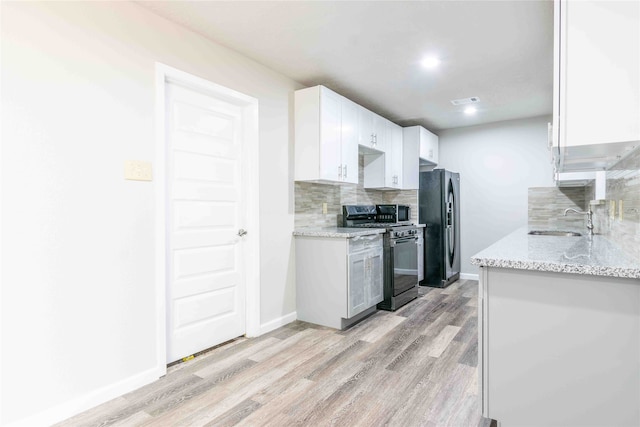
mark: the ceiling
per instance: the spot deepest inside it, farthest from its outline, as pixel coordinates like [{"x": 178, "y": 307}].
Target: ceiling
[{"x": 371, "y": 51}]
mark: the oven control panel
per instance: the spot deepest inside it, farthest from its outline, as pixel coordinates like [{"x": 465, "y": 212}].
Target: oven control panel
[{"x": 404, "y": 233}]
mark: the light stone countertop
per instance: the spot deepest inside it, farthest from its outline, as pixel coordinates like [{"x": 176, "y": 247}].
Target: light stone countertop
[
  {"x": 338, "y": 232},
  {"x": 595, "y": 255}
]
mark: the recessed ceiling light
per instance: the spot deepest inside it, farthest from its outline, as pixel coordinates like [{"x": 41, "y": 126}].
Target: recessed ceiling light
[
  {"x": 430, "y": 62},
  {"x": 469, "y": 111}
]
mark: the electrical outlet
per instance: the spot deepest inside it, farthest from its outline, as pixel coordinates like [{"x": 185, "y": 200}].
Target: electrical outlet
[
  {"x": 137, "y": 170},
  {"x": 324, "y": 208}
]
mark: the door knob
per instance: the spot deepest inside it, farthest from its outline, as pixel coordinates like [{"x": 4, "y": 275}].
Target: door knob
[{"x": 242, "y": 232}]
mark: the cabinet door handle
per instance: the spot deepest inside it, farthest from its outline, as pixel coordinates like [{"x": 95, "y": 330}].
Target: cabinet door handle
[
  {"x": 340, "y": 171},
  {"x": 345, "y": 172}
]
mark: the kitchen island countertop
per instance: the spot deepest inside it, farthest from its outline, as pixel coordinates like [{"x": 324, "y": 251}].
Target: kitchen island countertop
[{"x": 595, "y": 255}]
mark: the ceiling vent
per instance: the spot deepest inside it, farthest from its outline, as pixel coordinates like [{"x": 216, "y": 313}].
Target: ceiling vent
[{"x": 463, "y": 101}]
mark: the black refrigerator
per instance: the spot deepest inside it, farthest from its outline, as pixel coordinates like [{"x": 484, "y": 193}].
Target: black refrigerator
[{"x": 439, "y": 210}]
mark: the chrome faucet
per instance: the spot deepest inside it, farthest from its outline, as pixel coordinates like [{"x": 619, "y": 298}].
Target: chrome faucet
[{"x": 589, "y": 215}]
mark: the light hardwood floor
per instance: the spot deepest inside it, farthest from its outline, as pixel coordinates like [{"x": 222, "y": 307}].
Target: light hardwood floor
[{"x": 414, "y": 367}]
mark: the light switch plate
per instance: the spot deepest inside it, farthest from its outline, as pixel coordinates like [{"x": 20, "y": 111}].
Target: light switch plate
[
  {"x": 324, "y": 208},
  {"x": 137, "y": 170}
]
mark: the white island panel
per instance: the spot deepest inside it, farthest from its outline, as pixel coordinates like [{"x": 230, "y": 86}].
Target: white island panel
[{"x": 559, "y": 349}]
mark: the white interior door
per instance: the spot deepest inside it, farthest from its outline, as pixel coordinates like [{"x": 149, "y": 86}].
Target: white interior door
[{"x": 206, "y": 284}]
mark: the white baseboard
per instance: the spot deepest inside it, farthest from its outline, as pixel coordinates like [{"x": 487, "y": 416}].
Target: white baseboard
[
  {"x": 94, "y": 398},
  {"x": 89, "y": 400},
  {"x": 276, "y": 323},
  {"x": 468, "y": 276}
]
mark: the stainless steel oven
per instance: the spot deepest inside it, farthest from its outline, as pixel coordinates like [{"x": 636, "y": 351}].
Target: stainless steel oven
[
  {"x": 405, "y": 263},
  {"x": 401, "y": 248}
]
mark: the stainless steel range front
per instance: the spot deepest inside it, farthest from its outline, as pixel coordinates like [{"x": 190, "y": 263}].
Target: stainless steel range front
[{"x": 402, "y": 243}]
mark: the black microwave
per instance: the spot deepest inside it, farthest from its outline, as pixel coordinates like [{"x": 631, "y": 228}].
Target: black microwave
[{"x": 393, "y": 213}]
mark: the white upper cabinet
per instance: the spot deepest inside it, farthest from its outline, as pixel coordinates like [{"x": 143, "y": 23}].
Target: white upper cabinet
[
  {"x": 326, "y": 137},
  {"x": 596, "y": 82},
  {"x": 329, "y": 130},
  {"x": 371, "y": 130},
  {"x": 427, "y": 142},
  {"x": 398, "y": 167}
]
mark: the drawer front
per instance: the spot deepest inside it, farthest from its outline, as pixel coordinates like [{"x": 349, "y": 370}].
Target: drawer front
[{"x": 363, "y": 243}]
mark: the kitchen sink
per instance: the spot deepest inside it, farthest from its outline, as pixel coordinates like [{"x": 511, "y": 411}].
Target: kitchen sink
[{"x": 554, "y": 233}]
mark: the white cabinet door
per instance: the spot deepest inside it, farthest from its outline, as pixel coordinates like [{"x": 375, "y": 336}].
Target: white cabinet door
[
  {"x": 393, "y": 154},
  {"x": 429, "y": 146},
  {"x": 366, "y": 130},
  {"x": 365, "y": 127},
  {"x": 375, "y": 277},
  {"x": 410, "y": 163},
  {"x": 596, "y": 82},
  {"x": 330, "y": 136},
  {"x": 380, "y": 132},
  {"x": 371, "y": 130},
  {"x": 602, "y": 72},
  {"x": 365, "y": 284},
  {"x": 356, "y": 284},
  {"x": 349, "y": 140}
]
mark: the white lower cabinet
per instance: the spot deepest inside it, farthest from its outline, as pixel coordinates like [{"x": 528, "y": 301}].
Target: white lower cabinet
[
  {"x": 338, "y": 280},
  {"x": 365, "y": 280}
]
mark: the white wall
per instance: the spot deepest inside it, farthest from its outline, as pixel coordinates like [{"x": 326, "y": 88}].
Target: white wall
[
  {"x": 497, "y": 162},
  {"x": 78, "y": 299}
]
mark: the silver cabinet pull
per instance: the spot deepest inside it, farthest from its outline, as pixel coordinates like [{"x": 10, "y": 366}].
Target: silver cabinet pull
[
  {"x": 340, "y": 171},
  {"x": 345, "y": 171},
  {"x": 242, "y": 232}
]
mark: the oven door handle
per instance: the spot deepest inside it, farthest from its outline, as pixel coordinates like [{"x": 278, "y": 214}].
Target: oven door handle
[{"x": 395, "y": 242}]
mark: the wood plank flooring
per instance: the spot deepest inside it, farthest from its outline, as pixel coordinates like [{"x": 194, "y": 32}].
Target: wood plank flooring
[{"x": 412, "y": 367}]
